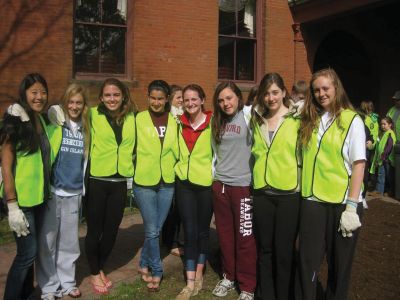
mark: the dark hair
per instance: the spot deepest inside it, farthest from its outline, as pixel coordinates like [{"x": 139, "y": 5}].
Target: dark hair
[
  {"x": 300, "y": 87},
  {"x": 268, "y": 80},
  {"x": 220, "y": 118},
  {"x": 388, "y": 120},
  {"x": 163, "y": 86},
  {"x": 198, "y": 89},
  {"x": 128, "y": 105},
  {"x": 252, "y": 95},
  {"x": 23, "y": 135},
  {"x": 173, "y": 89}
]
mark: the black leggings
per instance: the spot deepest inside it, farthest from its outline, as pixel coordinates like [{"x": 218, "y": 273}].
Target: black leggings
[
  {"x": 195, "y": 209},
  {"x": 104, "y": 211}
]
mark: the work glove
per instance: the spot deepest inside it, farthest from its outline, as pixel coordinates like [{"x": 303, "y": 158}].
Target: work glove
[
  {"x": 17, "y": 220},
  {"x": 17, "y": 110},
  {"x": 349, "y": 220},
  {"x": 56, "y": 115},
  {"x": 295, "y": 108}
]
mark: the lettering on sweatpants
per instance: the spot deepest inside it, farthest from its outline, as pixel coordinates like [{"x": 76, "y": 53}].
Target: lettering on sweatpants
[{"x": 246, "y": 217}]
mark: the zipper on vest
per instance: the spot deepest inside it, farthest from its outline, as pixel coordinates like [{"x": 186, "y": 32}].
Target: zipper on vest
[{"x": 118, "y": 160}]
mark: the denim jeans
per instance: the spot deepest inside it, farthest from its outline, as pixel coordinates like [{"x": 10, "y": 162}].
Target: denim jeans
[
  {"x": 154, "y": 203},
  {"x": 20, "y": 277},
  {"x": 385, "y": 178}
]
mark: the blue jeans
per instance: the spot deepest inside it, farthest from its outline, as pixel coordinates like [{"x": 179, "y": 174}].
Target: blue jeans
[
  {"x": 20, "y": 277},
  {"x": 154, "y": 203},
  {"x": 385, "y": 178}
]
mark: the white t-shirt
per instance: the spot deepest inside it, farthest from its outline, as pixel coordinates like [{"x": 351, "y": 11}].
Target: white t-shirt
[{"x": 354, "y": 144}]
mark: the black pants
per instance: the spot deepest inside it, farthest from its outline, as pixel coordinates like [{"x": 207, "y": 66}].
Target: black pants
[
  {"x": 171, "y": 231},
  {"x": 318, "y": 235},
  {"x": 276, "y": 222},
  {"x": 104, "y": 212},
  {"x": 195, "y": 209}
]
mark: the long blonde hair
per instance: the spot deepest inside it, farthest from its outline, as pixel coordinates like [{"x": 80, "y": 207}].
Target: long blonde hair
[
  {"x": 72, "y": 90},
  {"x": 313, "y": 110}
]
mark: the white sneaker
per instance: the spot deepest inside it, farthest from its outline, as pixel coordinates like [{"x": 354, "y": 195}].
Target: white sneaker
[
  {"x": 365, "y": 205},
  {"x": 223, "y": 287},
  {"x": 246, "y": 296}
]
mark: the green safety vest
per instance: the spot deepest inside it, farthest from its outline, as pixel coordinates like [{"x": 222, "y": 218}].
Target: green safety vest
[
  {"x": 396, "y": 122},
  {"x": 29, "y": 177},
  {"x": 196, "y": 166},
  {"x": 153, "y": 160},
  {"x": 106, "y": 156},
  {"x": 276, "y": 166},
  {"x": 371, "y": 121},
  {"x": 380, "y": 148},
  {"x": 324, "y": 173}
]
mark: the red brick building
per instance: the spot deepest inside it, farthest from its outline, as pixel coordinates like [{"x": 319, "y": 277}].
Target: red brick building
[{"x": 187, "y": 41}]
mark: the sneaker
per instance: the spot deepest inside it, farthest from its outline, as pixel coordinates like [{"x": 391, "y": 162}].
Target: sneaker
[
  {"x": 185, "y": 294},
  {"x": 246, "y": 296},
  {"x": 223, "y": 287},
  {"x": 198, "y": 286},
  {"x": 365, "y": 205}
]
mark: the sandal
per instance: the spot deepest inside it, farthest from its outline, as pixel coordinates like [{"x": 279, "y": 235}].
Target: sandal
[
  {"x": 75, "y": 293},
  {"x": 154, "y": 285},
  {"x": 99, "y": 289},
  {"x": 145, "y": 275},
  {"x": 108, "y": 283}
]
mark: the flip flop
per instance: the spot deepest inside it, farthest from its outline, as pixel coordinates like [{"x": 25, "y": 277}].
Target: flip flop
[{"x": 99, "y": 289}]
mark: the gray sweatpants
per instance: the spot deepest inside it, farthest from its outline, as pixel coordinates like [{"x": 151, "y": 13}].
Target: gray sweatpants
[{"x": 58, "y": 245}]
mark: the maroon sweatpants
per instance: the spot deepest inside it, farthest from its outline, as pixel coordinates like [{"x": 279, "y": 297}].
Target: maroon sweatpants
[{"x": 233, "y": 211}]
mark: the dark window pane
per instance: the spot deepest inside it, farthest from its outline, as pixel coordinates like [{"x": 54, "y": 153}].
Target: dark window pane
[
  {"x": 114, "y": 12},
  {"x": 87, "y": 11},
  {"x": 86, "y": 49},
  {"x": 227, "y": 17},
  {"x": 245, "y": 59},
  {"x": 113, "y": 50},
  {"x": 226, "y": 58},
  {"x": 247, "y": 20}
]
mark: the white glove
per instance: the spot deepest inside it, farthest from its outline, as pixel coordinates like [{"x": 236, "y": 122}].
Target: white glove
[
  {"x": 56, "y": 115},
  {"x": 17, "y": 220},
  {"x": 295, "y": 108},
  {"x": 349, "y": 220},
  {"x": 17, "y": 110}
]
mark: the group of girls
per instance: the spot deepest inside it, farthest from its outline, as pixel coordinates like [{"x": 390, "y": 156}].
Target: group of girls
[{"x": 269, "y": 174}]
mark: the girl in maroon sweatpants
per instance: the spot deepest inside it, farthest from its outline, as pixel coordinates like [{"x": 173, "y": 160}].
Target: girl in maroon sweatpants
[{"x": 231, "y": 189}]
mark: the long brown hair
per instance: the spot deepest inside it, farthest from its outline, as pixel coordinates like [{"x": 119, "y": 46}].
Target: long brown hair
[
  {"x": 72, "y": 90},
  {"x": 128, "y": 105},
  {"x": 268, "y": 80},
  {"x": 313, "y": 110},
  {"x": 220, "y": 118}
]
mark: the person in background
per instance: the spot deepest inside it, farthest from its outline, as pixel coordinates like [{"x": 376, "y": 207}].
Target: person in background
[
  {"x": 194, "y": 180},
  {"x": 252, "y": 95},
  {"x": 300, "y": 91},
  {"x": 371, "y": 119},
  {"x": 332, "y": 137},
  {"x": 383, "y": 161},
  {"x": 111, "y": 152},
  {"x": 394, "y": 114},
  {"x": 26, "y": 165},
  {"x": 156, "y": 156},
  {"x": 172, "y": 234},
  {"x": 58, "y": 234},
  {"x": 276, "y": 182},
  {"x": 232, "y": 202}
]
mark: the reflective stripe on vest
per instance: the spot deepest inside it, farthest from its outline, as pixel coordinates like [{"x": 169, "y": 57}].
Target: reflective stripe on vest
[
  {"x": 396, "y": 122},
  {"x": 152, "y": 159},
  {"x": 324, "y": 173},
  {"x": 277, "y": 166},
  {"x": 197, "y": 165},
  {"x": 29, "y": 177},
  {"x": 106, "y": 157}
]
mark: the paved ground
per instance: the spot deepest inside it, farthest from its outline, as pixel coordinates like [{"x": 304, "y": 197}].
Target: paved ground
[{"x": 122, "y": 264}]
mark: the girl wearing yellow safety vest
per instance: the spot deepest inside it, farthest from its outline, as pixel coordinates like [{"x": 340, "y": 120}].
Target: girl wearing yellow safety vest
[
  {"x": 383, "y": 161},
  {"x": 58, "y": 235},
  {"x": 333, "y": 144},
  {"x": 276, "y": 187},
  {"x": 156, "y": 155},
  {"x": 232, "y": 141},
  {"x": 194, "y": 172},
  {"x": 26, "y": 163},
  {"x": 111, "y": 150}
]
